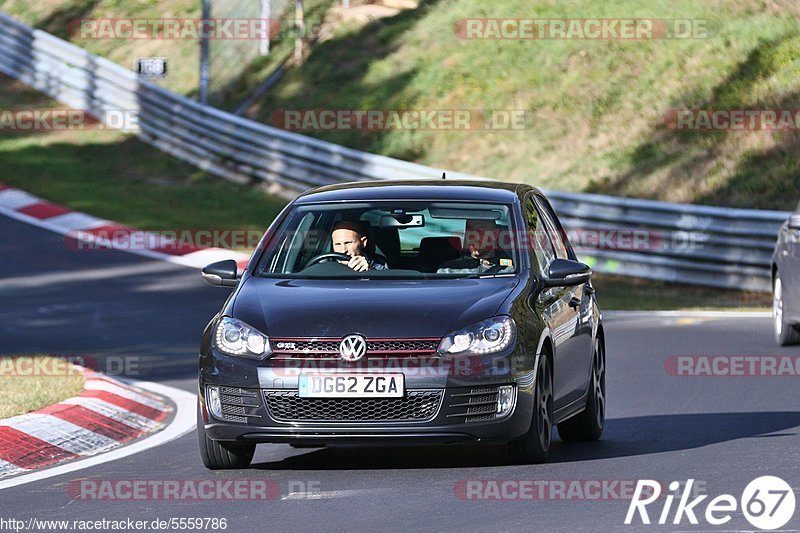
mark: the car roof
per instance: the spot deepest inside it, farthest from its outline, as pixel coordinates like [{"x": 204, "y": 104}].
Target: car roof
[{"x": 418, "y": 189}]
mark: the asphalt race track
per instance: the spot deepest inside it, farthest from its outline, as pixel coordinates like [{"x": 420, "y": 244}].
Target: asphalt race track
[{"x": 721, "y": 431}]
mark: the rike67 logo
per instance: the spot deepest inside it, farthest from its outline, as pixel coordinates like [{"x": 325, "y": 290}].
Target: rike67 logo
[{"x": 767, "y": 502}]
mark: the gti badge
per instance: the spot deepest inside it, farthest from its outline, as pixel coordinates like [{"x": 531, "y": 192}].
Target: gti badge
[
  {"x": 286, "y": 346},
  {"x": 352, "y": 348}
]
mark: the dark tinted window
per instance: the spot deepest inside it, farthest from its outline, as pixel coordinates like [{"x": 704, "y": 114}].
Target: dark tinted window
[
  {"x": 553, "y": 230},
  {"x": 540, "y": 240},
  {"x": 412, "y": 238}
]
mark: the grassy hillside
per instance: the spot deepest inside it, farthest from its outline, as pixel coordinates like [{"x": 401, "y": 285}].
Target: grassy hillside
[
  {"x": 55, "y": 16},
  {"x": 235, "y": 66},
  {"x": 595, "y": 108}
]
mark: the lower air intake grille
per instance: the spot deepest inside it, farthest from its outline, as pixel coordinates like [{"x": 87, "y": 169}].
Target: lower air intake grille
[
  {"x": 479, "y": 404},
  {"x": 239, "y": 405},
  {"x": 416, "y": 406}
]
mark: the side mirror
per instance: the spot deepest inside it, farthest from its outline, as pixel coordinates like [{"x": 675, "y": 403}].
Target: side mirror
[
  {"x": 566, "y": 272},
  {"x": 221, "y": 273},
  {"x": 794, "y": 221}
]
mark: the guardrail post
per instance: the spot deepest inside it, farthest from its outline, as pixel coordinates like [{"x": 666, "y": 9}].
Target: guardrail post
[
  {"x": 265, "y": 15},
  {"x": 300, "y": 31},
  {"x": 204, "y": 44}
]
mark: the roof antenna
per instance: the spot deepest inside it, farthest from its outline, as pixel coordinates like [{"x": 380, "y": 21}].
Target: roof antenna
[{"x": 443, "y": 176}]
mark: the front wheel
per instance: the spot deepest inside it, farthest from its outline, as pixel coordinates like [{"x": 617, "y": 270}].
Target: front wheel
[
  {"x": 588, "y": 424},
  {"x": 535, "y": 445},
  {"x": 218, "y": 455},
  {"x": 785, "y": 333}
]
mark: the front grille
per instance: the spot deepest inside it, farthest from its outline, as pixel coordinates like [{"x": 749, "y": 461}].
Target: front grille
[
  {"x": 403, "y": 345},
  {"x": 416, "y": 406},
  {"x": 305, "y": 346},
  {"x": 239, "y": 405},
  {"x": 329, "y": 347},
  {"x": 477, "y": 405}
]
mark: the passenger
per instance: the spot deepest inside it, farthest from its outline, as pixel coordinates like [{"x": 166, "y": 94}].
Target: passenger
[{"x": 481, "y": 253}]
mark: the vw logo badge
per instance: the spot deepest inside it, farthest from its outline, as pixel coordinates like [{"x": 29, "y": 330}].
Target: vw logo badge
[{"x": 353, "y": 347}]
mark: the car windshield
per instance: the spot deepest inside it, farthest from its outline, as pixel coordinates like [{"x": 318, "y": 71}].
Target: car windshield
[{"x": 397, "y": 239}]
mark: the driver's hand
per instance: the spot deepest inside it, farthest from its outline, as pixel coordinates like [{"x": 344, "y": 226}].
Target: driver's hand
[{"x": 358, "y": 263}]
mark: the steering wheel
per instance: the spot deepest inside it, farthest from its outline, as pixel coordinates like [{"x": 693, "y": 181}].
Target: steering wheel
[{"x": 330, "y": 256}]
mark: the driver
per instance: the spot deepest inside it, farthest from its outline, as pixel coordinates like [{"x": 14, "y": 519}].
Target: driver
[{"x": 348, "y": 238}]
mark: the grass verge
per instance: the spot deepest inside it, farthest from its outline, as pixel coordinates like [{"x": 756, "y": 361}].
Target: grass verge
[
  {"x": 28, "y": 383},
  {"x": 637, "y": 294},
  {"x": 113, "y": 175}
]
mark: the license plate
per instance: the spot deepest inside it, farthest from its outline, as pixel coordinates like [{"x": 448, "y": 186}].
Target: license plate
[{"x": 351, "y": 385}]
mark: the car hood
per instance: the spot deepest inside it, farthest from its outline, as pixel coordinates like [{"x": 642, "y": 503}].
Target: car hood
[{"x": 373, "y": 308}]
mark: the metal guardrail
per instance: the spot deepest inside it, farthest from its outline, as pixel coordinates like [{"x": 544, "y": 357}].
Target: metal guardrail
[{"x": 677, "y": 242}]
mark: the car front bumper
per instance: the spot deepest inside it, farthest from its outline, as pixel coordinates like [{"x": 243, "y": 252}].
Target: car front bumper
[{"x": 256, "y": 394}]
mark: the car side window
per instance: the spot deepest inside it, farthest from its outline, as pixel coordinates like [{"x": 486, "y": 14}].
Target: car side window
[
  {"x": 553, "y": 230},
  {"x": 540, "y": 241}
]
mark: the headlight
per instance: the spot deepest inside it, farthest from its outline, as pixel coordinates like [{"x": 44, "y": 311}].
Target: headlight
[
  {"x": 234, "y": 337},
  {"x": 489, "y": 336}
]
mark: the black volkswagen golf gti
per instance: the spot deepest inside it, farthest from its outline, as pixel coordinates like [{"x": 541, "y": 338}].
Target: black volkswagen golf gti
[{"x": 397, "y": 312}]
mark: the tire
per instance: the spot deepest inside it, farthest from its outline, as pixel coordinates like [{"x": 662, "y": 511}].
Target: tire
[
  {"x": 218, "y": 455},
  {"x": 786, "y": 334},
  {"x": 534, "y": 447},
  {"x": 588, "y": 424}
]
